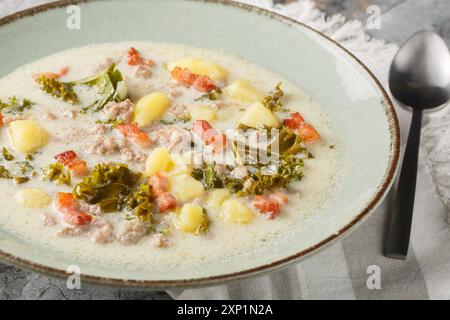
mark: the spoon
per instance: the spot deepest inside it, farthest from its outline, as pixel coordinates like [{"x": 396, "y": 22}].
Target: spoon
[{"x": 419, "y": 78}]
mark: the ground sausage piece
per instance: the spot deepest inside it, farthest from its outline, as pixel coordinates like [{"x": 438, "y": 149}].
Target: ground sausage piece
[
  {"x": 143, "y": 72},
  {"x": 179, "y": 111},
  {"x": 48, "y": 220},
  {"x": 103, "y": 145},
  {"x": 132, "y": 231},
  {"x": 92, "y": 209},
  {"x": 70, "y": 232},
  {"x": 103, "y": 233},
  {"x": 49, "y": 116},
  {"x": 159, "y": 240},
  {"x": 121, "y": 111}
]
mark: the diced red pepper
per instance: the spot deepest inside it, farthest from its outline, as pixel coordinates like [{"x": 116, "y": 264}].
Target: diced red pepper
[
  {"x": 183, "y": 76},
  {"x": 309, "y": 133},
  {"x": 71, "y": 160},
  {"x": 133, "y": 131},
  {"x": 295, "y": 121},
  {"x": 159, "y": 183},
  {"x": 219, "y": 142},
  {"x": 165, "y": 201},
  {"x": 209, "y": 135},
  {"x": 204, "y": 84},
  {"x": 66, "y": 203},
  {"x": 1, "y": 119},
  {"x": 134, "y": 58}
]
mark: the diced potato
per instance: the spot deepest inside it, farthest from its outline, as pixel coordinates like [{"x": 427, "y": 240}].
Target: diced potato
[
  {"x": 32, "y": 198},
  {"x": 243, "y": 91},
  {"x": 185, "y": 188},
  {"x": 158, "y": 160},
  {"x": 150, "y": 108},
  {"x": 202, "y": 112},
  {"x": 192, "y": 218},
  {"x": 27, "y": 135},
  {"x": 217, "y": 197},
  {"x": 200, "y": 66},
  {"x": 235, "y": 211},
  {"x": 258, "y": 116}
]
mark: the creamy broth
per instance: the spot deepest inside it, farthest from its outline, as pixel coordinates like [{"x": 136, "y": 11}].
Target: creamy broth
[{"x": 223, "y": 240}]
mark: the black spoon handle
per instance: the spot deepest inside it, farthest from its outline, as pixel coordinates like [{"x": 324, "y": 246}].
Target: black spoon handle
[{"x": 400, "y": 228}]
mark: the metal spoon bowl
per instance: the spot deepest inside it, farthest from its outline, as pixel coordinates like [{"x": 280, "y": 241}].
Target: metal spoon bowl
[{"x": 419, "y": 77}]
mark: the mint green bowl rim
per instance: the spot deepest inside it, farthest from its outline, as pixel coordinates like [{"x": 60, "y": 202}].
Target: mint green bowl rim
[{"x": 154, "y": 284}]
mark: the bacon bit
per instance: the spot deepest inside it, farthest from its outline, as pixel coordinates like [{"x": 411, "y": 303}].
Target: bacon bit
[
  {"x": 165, "y": 201},
  {"x": 186, "y": 78},
  {"x": 306, "y": 131},
  {"x": 71, "y": 160},
  {"x": 209, "y": 135},
  {"x": 52, "y": 75},
  {"x": 183, "y": 77},
  {"x": 204, "y": 84},
  {"x": 134, "y": 58},
  {"x": 65, "y": 202},
  {"x": 159, "y": 183},
  {"x": 132, "y": 130},
  {"x": 1, "y": 119},
  {"x": 295, "y": 121},
  {"x": 270, "y": 204},
  {"x": 309, "y": 133}
]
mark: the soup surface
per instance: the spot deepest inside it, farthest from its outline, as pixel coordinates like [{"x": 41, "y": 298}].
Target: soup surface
[{"x": 141, "y": 154}]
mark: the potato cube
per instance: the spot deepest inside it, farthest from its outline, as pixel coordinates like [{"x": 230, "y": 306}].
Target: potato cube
[
  {"x": 27, "y": 135},
  {"x": 202, "y": 112},
  {"x": 258, "y": 116},
  {"x": 234, "y": 211},
  {"x": 243, "y": 91},
  {"x": 32, "y": 198},
  {"x": 158, "y": 160},
  {"x": 217, "y": 197},
  {"x": 185, "y": 188},
  {"x": 200, "y": 66},
  {"x": 192, "y": 218},
  {"x": 150, "y": 108}
]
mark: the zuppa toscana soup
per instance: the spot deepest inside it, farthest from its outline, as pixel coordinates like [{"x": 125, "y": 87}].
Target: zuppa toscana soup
[{"x": 143, "y": 153}]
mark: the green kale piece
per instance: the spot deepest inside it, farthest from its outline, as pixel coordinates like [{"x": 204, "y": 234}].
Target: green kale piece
[
  {"x": 212, "y": 95},
  {"x": 7, "y": 155},
  {"x": 15, "y": 105},
  {"x": 56, "y": 172},
  {"x": 58, "y": 89},
  {"x": 139, "y": 203},
  {"x": 107, "y": 185},
  {"x": 274, "y": 101}
]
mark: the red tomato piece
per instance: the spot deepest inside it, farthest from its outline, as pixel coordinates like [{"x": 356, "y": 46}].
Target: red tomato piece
[
  {"x": 1, "y": 119},
  {"x": 183, "y": 77},
  {"x": 204, "y": 84},
  {"x": 165, "y": 201},
  {"x": 205, "y": 131},
  {"x": 132, "y": 130},
  {"x": 70, "y": 160},
  {"x": 219, "y": 142},
  {"x": 65, "y": 202},
  {"x": 309, "y": 133},
  {"x": 295, "y": 121}
]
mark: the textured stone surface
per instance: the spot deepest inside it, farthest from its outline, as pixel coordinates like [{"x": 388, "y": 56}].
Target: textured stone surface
[{"x": 400, "y": 18}]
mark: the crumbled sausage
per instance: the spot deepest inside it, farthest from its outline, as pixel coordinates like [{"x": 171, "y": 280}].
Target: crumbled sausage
[
  {"x": 92, "y": 209},
  {"x": 70, "y": 114},
  {"x": 121, "y": 111},
  {"x": 159, "y": 240},
  {"x": 179, "y": 111},
  {"x": 143, "y": 71},
  {"x": 71, "y": 231},
  {"x": 105, "y": 64},
  {"x": 103, "y": 145},
  {"x": 48, "y": 220},
  {"x": 132, "y": 231},
  {"x": 103, "y": 232},
  {"x": 174, "y": 138},
  {"x": 49, "y": 116}
]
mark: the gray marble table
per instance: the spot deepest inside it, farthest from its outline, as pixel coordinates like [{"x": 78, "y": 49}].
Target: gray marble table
[{"x": 400, "y": 18}]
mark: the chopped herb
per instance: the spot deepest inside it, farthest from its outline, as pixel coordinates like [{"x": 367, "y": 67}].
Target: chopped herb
[
  {"x": 107, "y": 185},
  {"x": 58, "y": 89},
  {"x": 29, "y": 157},
  {"x": 114, "y": 123},
  {"x": 7, "y": 155},
  {"x": 20, "y": 180},
  {"x": 289, "y": 142},
  {"x": 212, "y": 95},
  {"x": 56, "y": 172},
  {"x": 24, "y": 167},
  {"x": 4, "y": 173},
  {"x": 139, "y": 203},
  {"x": 274, "y": 100},
  {"x": 14, "y": 105}
]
